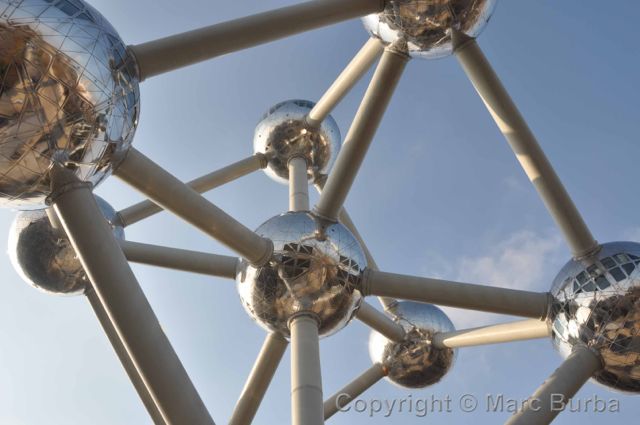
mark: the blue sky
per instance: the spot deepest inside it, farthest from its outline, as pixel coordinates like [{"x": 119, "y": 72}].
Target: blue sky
[{"x": 440, "y": 194}]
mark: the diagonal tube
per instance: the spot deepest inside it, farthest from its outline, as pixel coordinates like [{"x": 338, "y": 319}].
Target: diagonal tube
[
  {"x": 363, "y": 128},
  {"x": 506, "y": 332},
  {"x": 524, "y": 145},
  {"x": 180, "y": 259},
  {"x": 345, "y": 219},
  {"x": 352, "y": 390},
  {"x": 256, "y": 386},
  {"x": 455, "y": 294},
  {"x": 125, "y": 303},
  {"x": 147, "y": 208},
  {"x": 354, "y": 71},
  {"x": 547, "y": 402},
  {"x": 177, "y": 51},
  {"x": 306, "y": 378},
  {"x": 380, "y": 322},
  {"x": 175, "y": 196},
  {"x": 141, "y": 388}
]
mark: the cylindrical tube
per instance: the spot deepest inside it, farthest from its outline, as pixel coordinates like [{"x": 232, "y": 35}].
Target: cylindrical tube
[
  {"x": 173, "y": 195},
  {"x": 524, "y": 145},
  {"x": 147, "y": 208},
  {"x": 180, "y": 259},
  {"x": 495, "y": 334},
  {"x": 263, "y": 370},
  {"x": 363, "y": 128},
  {"x": 356, "y": 69},
  {"x": 355, "y": 388},
  {"x": 298, "y": 185},
  {"x": 380, "y": 322},
  {"x": 307, "y": 406},
  {"x": 142, "y": 390},
  {"x": 177, "y": 51},
  {"x": 125, "y": 304},
  {"x": 549, "y": 400},
  {"x": 456, "y": 294}
]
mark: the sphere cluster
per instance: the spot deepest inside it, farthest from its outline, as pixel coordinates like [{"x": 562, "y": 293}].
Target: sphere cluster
[
  {"x": 68, "y": 95},
  {"x": 596, "y": 303},
  {"x": 283, "y": 133},
  {"x": 316, "y": 268},
  {"x": 44, "y": 256},
  {"x": 414, "y": 362},
  {"x": 422, "y": 28}
]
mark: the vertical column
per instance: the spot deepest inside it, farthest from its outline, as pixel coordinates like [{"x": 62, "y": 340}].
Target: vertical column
[{"x": 307, "y": 407}]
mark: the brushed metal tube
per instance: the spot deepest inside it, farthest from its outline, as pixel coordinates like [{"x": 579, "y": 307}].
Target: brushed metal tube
[
  {"x": 354, "y": 71},
  {"x": 147, "y": 208},
  {"x": 352, "y": 390},
  {"x": 380, "y": 322},
  {"x": 307, "y": 406},
  {"x": 180, "y": 259},
  {"x": 125, "y": 303},
  {"x": 524, "y": 145},
  {"x": 256, "y": 386},
  {"x": 506, "y": 332},
  {"x": 175, "y": 196},
  {"x": 455, "y": 294},
  {"x": 180, "y": 50},
  {"x": 360, "y": 135},
  {"x": 566, "y": 381},
  {"x": 298, "y": 185},
  {"x": 123, "y": 355}
]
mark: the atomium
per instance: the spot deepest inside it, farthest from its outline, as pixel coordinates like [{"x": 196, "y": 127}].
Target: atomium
[
  {"x": 44, "y": 257},
  {"x": 414, "y": 362},
  {"x": 316, "y": 268},
  {"x": 596, "y": 303},
  {"x": 423, "y": 28},
  {"x": 69, "y": 95},
  {"x": 69, "y": 101},
  {"x": 283, "y": 134}
]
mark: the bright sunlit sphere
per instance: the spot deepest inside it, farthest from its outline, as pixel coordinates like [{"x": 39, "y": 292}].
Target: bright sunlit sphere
[
  {"x": 423, "y": 27},
  {"x": 284, "y": 133},
  {"x": 45, "y": 258},
  {"x": 68, "y": 95},
  {"x": 317, "y": 267},
  {"x": 415, "y": 362},
  {"x": 596, "y": 302}
]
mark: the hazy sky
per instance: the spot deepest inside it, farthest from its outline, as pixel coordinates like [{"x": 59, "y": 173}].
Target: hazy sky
[{"x": 440, "y": 194}]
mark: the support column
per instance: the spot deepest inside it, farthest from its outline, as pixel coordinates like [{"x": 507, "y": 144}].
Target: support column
[
  {"x": 524, "y": 145},
  {"x": 298, "y": 185},
  {"x": 543, "y": 407},
  {"x": 259, "y": 379},
  {"x": 307, "y": 407},
  {"x": 125, "y": 303}
]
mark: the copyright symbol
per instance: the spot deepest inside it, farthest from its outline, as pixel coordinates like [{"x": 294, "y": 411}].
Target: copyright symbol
[{"x": 468, "y": 403}]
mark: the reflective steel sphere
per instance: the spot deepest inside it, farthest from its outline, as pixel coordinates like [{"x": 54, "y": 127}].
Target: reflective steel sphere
[
  {"x": 414, "y": 363},
  {"x": 317, "y": 267},
  {"x": 68, "y": 94},
  {"x": 44, "y": 257},
  {"x": 284, "y": 133},
  {"x": 596, "y": 302},
  {"x": 423, "y": 27}
]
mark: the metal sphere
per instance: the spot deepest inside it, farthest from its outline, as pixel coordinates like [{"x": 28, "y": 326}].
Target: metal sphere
[
  {"x": 68, "y": 95},
  {"x": 423, "y": 27},
  {"x": 415, "y": 362},
  {"x": 283, "y": 133},
  {"x": 45, "y": 258},
  {"x": 317, "y": 267},
  {"x": 596, "y": 302}
]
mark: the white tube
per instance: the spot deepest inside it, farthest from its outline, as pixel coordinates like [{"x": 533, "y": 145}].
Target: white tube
[{"x": 524, "y": 145}]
